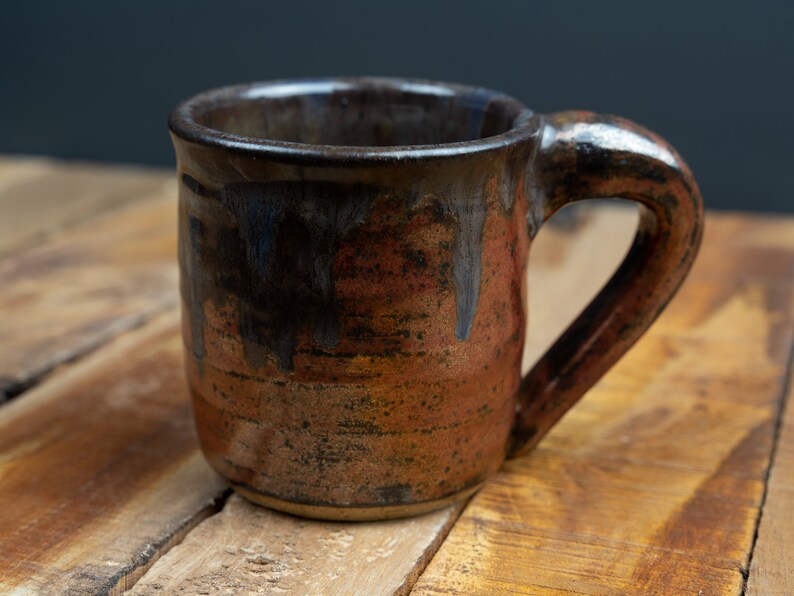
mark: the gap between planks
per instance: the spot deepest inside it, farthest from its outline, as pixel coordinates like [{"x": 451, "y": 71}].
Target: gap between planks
[
  {"x": 100, "y": 468},
  {"x": 772, "y": 572}
]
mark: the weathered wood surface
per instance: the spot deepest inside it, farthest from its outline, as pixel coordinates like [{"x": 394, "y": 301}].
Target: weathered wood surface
[
  {"x": 568, "y": 263},
  {"x": 772, "y": 568},
  {"x": 654, "y": 481},
  {"x": 40, "y": 196},
  {"x": 100, "y": 470},
  {"x": 247, "y": 549},
  {"x": 87, "y": 283}
]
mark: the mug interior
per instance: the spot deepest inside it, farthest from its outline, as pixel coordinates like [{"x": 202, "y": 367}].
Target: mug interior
[{"x": 358, "y": 112}]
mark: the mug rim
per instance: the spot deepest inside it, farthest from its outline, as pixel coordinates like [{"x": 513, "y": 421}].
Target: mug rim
[{"x": 183, "y": 123}]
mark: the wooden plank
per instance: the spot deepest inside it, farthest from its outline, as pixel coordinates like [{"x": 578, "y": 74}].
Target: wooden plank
[
  {"x": 747, "y": 246},
  {"x": 248, "y": 549},
  {"x": 772, "y": 567},
  {"x": 596, "y": 466},
  {"x": 86, "y": 284},
  {"x": 15, "y": 170},
  {"x": 653, "y": 482},
  {"x": 38, "y": 197},
  {"x": 568, "y": 263},
  {"x": 100, "y": 469}
]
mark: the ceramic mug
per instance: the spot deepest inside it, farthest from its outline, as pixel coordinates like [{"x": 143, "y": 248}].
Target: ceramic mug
[{"x": 353, "y": 256}]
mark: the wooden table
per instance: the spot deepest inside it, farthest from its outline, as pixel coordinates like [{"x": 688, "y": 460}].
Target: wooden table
[{"x": 675, "y": 475}]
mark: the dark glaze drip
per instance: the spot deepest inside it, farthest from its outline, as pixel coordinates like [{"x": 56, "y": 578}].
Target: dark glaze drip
[
  {"x": 280, "y": 251},
  {"x": 191, "y": 284},
  {"x": 466, "y": 210},
  {"x": 280, "y": 254}
]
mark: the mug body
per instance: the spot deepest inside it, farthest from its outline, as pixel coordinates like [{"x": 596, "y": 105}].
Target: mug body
[{"x": 352, "y": 256}]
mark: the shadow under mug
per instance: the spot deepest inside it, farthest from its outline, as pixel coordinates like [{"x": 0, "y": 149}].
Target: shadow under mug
[{"x": 353, "y": 256}]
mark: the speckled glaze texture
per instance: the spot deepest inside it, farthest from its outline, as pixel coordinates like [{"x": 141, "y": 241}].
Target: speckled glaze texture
[{"x": 353, "y": 256}]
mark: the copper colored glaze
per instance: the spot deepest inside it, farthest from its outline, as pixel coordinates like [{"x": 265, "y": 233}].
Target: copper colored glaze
[{"x": 353, "y": 256}]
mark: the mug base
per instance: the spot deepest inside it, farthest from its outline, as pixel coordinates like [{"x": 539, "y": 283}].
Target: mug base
[{"x": 351, "y": 513}]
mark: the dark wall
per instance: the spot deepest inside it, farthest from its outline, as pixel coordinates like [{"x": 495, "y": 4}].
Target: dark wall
[{"x": 95, "y": 80}]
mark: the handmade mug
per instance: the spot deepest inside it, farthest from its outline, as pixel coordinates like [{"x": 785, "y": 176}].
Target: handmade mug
[{"x": 353, "y": 256}]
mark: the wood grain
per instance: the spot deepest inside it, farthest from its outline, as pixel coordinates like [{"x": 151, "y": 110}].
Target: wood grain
[
  {"x": 248, "y": 549},
  {"x": 86, "y": 284},
  {"x": 653, "y": 482},
  {"x": 100, "y": 469},
  {"x": 570, "y": 260},
  {"x": 772, "y": 568},
  {"x": 41, "y": 196}
]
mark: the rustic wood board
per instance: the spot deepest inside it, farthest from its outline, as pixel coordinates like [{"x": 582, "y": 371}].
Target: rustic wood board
[
  {"x": 247, "y": 549},
  {"x": 654, "y": 481},
  {"x": 100, "y": 470},
  {"x": 772, "y": 567},
  {"x": 86, "y": 284},
  {"x": 40, "y": 196}
]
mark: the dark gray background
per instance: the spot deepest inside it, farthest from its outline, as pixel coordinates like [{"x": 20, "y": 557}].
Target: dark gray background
[{"x": 95, "y": 80}]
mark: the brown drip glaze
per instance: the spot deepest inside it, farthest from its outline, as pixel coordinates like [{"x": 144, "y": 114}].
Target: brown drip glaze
[{"x": 353, "y": 256}]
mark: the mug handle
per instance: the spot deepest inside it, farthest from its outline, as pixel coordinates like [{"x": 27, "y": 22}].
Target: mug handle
[{"x": 581, "y": 156}]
